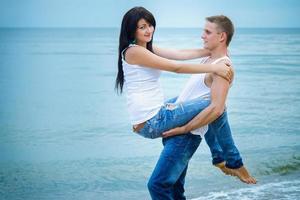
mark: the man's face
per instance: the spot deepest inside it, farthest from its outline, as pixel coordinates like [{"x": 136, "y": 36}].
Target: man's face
[{"x": 211, "y": 36}]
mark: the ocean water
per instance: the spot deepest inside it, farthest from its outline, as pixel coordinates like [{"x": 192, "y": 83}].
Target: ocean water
[{"x": 65, "y": 133}]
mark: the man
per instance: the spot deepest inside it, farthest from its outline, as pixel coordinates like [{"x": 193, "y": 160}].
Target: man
[{"x": 167, "y": 180}]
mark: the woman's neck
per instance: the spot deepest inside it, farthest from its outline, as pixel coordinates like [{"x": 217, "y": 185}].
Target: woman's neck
[{"x": 142, "y": 44}]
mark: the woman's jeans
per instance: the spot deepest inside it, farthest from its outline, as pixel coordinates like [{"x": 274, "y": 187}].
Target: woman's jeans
[
  {"x": 218, "y": 136},
  {"x": 221, "y": 144},
  {"x": 171, "y": 116}
]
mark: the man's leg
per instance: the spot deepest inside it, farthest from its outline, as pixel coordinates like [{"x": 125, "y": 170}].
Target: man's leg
[
  {"x": 179, "y": 186},
  {"x": 167, "y": 179}
]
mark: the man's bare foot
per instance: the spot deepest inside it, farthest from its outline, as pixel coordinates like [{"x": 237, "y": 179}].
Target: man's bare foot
[
  {"x": 243, "y": 175},
  {"x": 224, "y": 169}
]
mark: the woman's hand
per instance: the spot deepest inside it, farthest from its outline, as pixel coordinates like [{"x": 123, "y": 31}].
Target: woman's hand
[
  {"x": 175, "y": 131},
  {"x": 224, "y": 70}
]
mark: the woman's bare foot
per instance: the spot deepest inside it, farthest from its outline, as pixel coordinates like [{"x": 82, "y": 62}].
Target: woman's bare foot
[
  {"x": 243, "y": 174},
  {"x": 224, "y": 169}
]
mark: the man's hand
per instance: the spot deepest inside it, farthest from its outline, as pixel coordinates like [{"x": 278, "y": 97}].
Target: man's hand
[{"x": 175, "y": 131}]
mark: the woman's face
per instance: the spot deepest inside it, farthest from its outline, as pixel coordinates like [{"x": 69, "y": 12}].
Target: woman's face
[{"x": 143, "y": 32}]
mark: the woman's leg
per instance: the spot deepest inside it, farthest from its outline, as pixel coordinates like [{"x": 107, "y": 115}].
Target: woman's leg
[
  {"x": 219, "y": 136},
  {"x": 172, "y": 100},
  {"x": 223, "y": 138},
  {"x": 217, "y": 153},
  {"x": 173, "y": 115}
]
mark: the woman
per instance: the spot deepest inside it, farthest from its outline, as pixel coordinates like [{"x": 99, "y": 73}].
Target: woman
[{"x": 139, "y": 68}]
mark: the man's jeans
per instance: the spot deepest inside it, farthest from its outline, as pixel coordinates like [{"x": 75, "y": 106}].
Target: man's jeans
[{"x": 167, "y": 179}]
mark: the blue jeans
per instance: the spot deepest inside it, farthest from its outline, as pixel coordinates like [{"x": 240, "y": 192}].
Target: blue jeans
[
  {"x": 167, "y": 179},
  {"x": 218, "y": 136},
  {"x": 171, "y": 116},
  {"x": 221, "y": 144}
]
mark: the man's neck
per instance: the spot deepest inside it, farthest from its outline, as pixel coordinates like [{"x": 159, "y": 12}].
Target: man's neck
[{"x": 218, "y": 52}]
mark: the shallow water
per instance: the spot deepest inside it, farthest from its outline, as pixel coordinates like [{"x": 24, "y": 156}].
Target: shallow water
[{"x": 65, "y": 134}]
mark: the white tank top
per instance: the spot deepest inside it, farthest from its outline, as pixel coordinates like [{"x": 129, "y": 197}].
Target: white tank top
[
  {"x": 143, "y": 91},
  {"x": 194, "y": 88}
]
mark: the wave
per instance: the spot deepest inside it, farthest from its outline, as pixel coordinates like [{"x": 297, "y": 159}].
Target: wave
[
  {"x": 278, "y": 190},
  {"x": 278, "y": 167}
]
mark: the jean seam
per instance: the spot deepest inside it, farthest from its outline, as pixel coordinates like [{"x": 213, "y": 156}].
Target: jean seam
[{"x": 187, "y": 149}]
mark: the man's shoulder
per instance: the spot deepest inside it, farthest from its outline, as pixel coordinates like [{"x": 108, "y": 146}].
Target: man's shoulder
[{"x": 223, "y": 59}]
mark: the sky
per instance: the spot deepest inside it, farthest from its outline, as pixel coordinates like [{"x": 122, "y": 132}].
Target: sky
[{"x": 168, "y": 13}]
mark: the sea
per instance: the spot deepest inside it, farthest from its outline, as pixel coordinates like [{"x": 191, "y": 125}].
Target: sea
[{"x": 65, "y": 133}]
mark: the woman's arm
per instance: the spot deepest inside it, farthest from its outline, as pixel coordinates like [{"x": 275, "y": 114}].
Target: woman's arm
[
  {"x": 138, "y": 55},
  {"x": 219, "y": 91},
  {"x": 180, "y": 54}
]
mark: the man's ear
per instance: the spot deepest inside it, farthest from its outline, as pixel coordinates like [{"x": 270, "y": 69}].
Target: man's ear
[{"x": 223, "y": 37}]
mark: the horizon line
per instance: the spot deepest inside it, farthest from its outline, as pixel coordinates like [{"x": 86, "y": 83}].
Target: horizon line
[{"x": 111, "y": 27}]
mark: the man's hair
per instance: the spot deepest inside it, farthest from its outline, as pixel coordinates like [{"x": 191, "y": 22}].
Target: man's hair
[{"x": 224, "y": 25}]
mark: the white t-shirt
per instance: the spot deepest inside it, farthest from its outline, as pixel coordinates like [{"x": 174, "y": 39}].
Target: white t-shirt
[
  {"x": 195, "y": 88},
  {"x": 143, "y": 91}
]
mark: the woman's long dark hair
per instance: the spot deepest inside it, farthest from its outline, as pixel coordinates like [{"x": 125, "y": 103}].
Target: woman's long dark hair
[{"x": 127, "y": 36}]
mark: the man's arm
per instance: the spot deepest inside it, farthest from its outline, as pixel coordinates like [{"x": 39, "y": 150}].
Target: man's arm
[
  {"x": 219, "y": 91},
  {"x": 180, "y": 54}
]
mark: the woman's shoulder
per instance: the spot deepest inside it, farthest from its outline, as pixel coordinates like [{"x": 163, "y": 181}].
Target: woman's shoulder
[
  {"x": 133, "y": 52},
  {"x": 132, "y": 48},
  {"x": 136, "y": 48}
]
